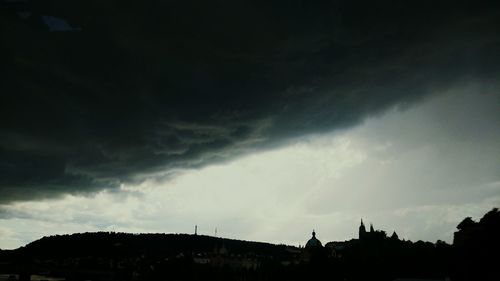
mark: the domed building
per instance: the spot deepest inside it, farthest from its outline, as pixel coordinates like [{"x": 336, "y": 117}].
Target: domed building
[
  {"x": 313, "y": 242},
  {"x": 313, "y": 251}
]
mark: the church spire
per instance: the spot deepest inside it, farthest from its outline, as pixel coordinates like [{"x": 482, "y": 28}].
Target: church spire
[
  {"x": 362, "y": 230},
  {"x": 371, "y": 227}
]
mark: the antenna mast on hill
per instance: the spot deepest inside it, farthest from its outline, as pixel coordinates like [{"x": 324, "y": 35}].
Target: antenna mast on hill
[
  {"x": 216, "y": 232},
  {"x": 196, "y": 230}
]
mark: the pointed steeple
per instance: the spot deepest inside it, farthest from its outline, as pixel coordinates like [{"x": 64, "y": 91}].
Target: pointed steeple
[
  {"x": 371, "y": 227},
  {"x": 362, "y": 230}
]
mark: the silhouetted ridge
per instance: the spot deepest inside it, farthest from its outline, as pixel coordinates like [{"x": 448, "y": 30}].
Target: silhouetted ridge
[
  {"x": 372, "y": 256},
  {"x": 108, "y": 244}
]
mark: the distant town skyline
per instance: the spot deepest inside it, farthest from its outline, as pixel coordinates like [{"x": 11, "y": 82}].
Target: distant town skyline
[
  {"x": 263, "y": 120},
  {"x": 375, "y": 171}
]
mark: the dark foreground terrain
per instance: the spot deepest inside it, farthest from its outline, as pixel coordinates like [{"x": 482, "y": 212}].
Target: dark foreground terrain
[{"x": 373, "y": 256}]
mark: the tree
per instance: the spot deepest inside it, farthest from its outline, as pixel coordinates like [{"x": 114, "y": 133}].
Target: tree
[
  {"x": 466, "y": 223},
  {"x": 491, "y": 219}
]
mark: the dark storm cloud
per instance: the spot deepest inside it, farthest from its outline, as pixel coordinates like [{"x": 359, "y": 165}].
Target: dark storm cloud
[{"x": 143, "y": 87}]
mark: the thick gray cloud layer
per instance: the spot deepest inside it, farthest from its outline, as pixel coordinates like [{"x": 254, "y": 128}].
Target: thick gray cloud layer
[{"x": 141, "y": 88}]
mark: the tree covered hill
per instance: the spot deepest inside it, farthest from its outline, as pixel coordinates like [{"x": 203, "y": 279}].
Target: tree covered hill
[
  {"x": 126, "y": 256},
  {"x": 109, "y": 244}
]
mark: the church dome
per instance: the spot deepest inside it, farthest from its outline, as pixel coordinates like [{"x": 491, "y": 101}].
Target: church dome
[{"x": 313, "y": 242}]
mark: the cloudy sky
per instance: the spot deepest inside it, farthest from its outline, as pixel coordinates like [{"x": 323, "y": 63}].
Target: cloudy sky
[{"x": 263, "y": 120}]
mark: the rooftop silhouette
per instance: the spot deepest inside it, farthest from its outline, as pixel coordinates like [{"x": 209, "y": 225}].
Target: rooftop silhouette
[{"x": 126, "y": 256}]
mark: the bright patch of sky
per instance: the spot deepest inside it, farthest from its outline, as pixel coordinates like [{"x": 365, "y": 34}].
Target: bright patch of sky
[{"x": 418, "y": 171}]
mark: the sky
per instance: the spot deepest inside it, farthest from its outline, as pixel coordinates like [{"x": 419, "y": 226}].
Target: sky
[{"x": 263, "y": 120}]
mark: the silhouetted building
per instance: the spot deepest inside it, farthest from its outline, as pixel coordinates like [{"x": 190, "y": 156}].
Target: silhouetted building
[
  {"x": 313, "y": 250},
  {"x": 372, "y": 235},
  {"x": 336, "y": 249},
  {"x": 362, "y": 230},
  {"x": 394, "y": 236},
  {"x": 313, "y": 242}
]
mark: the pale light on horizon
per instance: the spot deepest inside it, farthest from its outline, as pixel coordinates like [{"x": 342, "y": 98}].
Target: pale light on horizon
[{"x": 379, "y": 171}]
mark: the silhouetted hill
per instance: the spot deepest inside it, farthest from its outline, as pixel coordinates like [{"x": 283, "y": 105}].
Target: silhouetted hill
[
  {"x": 109, "y": 244},
  {"x": 373, "y": 256}
]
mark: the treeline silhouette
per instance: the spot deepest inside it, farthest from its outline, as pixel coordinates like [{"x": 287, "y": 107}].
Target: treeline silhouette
[
  {"x": 373, "y": 256},
  {"x": 477, "y": 248},
  {"x": 119, "y": 244}
]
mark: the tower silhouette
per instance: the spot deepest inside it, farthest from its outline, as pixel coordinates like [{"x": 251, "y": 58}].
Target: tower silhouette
[{"x": 362, "y": 230}]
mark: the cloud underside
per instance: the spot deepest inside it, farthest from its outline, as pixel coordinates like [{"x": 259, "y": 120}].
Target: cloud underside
[{"x": 151, "y": 88}]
